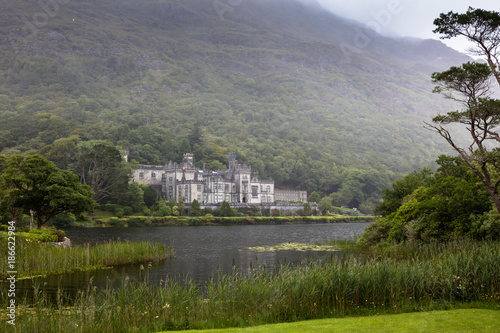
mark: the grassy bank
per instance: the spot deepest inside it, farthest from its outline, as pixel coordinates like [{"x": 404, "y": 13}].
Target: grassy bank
[
  {"x": 36, "y": 258},
  {"x": 394, "y": 280},
  {"x": 138, "y": 221},
  {"x": 463, "y": 320}
]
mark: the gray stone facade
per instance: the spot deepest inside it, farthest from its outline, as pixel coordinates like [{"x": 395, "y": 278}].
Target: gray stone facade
[{"x": 236, "y": 184}]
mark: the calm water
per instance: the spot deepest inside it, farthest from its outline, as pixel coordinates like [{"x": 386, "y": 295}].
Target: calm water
[{"x": 201, "y": 252}]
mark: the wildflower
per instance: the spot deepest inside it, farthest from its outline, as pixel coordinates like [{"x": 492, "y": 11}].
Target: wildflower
[{"x": 166, "y": 306}]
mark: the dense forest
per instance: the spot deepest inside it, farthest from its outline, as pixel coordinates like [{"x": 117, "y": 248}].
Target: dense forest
[{"x": 282, "y": 84}]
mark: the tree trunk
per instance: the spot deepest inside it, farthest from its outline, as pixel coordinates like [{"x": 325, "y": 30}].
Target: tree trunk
[{"x": 31, "y": 219}]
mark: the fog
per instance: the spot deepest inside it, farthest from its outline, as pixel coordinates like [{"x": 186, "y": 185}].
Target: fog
[{"x": 405, "y": 17}]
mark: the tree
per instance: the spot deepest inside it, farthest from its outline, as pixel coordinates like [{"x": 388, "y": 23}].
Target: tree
[
  {"x": 480, "y": 115},
  {"x": 150, "y": 196},
  {"x": 394, "y": 197},
  {"x": 100, "y": 165},
  {"x": 478, "y": 26},
  {"x": 441, "y": 207},
  {"x": 225, "y": 209},
  {"x": 314, "y": 197},
  {"x": 325, "y": 205},
  {"x": 195, "y": 208},
  {"x": 307, "y": 209},
  {"x": 472, "y": 82},
  {"x": 34, "y": 183}
]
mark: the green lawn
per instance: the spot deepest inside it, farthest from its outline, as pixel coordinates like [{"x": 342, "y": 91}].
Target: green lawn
[{"x": 467, "y": 320}]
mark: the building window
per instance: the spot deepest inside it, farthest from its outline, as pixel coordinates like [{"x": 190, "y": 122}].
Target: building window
[
  {"x": 198, "y": 187},
  {"x": 169, "y": 179},
  {"x": 153, "y": 175},
  {"x": 226, "y": 188},
  {"x": 268, "y": 188},
  {"x": 263, "y": 198},
  {"x": 255, "y": 191},
  {"x": 141, "y": 175}
]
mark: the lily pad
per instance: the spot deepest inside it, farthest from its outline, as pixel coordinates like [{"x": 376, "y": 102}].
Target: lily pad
[{"x": 294, "y": 247}]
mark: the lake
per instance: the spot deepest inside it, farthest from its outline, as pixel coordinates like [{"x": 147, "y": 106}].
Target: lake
[{"x": 201, "y": 252}]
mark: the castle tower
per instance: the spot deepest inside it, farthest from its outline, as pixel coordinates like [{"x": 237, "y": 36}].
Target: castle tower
[
  {"x": 232, "y": 161},
  {"x": 188, "y": 161}
]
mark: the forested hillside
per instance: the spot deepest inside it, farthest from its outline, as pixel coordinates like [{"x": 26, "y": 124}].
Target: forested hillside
[{"x": 286, "y": 86}]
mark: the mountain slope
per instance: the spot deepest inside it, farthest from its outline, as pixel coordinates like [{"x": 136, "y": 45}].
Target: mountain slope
[{"x": 286, "y": 85}]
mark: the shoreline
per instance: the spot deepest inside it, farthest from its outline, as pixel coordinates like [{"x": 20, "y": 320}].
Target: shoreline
[{"x": 145, "y": 221}]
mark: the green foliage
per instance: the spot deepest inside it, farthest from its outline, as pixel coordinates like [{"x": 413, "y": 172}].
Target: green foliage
[
  {"x": 314, "y": 197},
  {"x": 39, "y": 235},
  {"x": 390, "y": 280},
  {"x": 164, "y": 210},
  {"x": 225, "y": 209},
  {"x": 175, "y": 211},
  {"x": 36, "y": 184},
  {"x": 150, "y": 196},
  {"x": 442, "y": 209},
  {"x": 63, "y": 221},
  {"x": 307, "y": 209},
  {"x": 48, "y": 259},
  {"x": 486, "y": 226},
  {"x": 394, "y": 197},
  {"x": 305, "y": 129},
  {"x": 100, "y": 165},
  {"x": 325, "y": 205},
  {"x": 119, "y": 212},
  {"x": 195, "y": 208}
]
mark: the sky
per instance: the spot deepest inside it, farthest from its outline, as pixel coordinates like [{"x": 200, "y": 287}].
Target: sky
[{"x": 412, "y": 18}]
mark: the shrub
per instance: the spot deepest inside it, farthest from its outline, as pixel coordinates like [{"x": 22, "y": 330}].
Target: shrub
[
  {"x": 63, "y": 221},
  {"x": 135, "y": 221},
  {"x": 128, "y": 210},
  {"x": 114, "y": 221}
]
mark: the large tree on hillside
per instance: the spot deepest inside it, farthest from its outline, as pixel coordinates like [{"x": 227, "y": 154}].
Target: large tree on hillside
[
  {"x": 480, "y": 27},
  {"x": 471, "y": 85},
  {"x": 100, "y": 165},
  {"x": 33, "y": 183}
]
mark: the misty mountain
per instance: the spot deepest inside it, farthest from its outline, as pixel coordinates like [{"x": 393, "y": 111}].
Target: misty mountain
[{"x": 306, "y": 97}]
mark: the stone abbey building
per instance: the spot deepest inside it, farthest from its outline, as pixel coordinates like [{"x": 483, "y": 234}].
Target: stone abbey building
[{"x": 237, "y": 184}]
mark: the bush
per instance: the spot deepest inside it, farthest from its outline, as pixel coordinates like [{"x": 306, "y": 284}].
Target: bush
[
  {"x": 128, "y": 210},
  {"x": 63, "y": 221},
  {"x": 119, "y": 212},
  {"x": 135, "y": 221},
  {"x": 194, "y": 221},
  {"x": 114, "y": 221},
  {"x": 43, "y": 235},
  {"x": 486, "y": 226}
]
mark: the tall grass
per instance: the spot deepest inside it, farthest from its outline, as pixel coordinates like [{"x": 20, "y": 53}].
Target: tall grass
[
  {"x": 35, "y": 258},
  {"x": 388, "y": 281}
]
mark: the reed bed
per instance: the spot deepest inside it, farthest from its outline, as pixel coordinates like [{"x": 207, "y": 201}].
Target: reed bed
[
  {"x": 39, "y": 258},
  {"x": 393, "y": 280}
]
